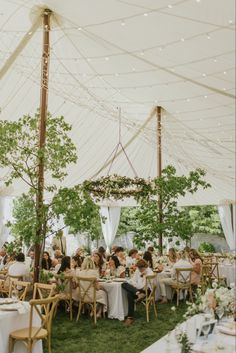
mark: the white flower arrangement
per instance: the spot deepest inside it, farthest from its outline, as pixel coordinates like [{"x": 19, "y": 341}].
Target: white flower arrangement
[{"x": 215, "y": 297}]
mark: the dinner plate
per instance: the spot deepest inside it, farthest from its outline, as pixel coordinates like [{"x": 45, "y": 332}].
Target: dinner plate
[
  {"x": 228, "y": 329},
  {"x": 4, "y": 301}
]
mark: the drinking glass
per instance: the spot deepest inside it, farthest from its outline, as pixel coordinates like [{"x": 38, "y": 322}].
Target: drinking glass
[
  {"x": 206, "y": 329},
  {"x": 219, "y": 312},
  {"x": 14, "y": 294}
]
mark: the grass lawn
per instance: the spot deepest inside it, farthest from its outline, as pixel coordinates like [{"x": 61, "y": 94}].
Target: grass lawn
[{"x": 111, "y": 336}]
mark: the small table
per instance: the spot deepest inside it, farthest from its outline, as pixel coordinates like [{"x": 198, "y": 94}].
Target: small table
[{"x": 11, "y": 321}]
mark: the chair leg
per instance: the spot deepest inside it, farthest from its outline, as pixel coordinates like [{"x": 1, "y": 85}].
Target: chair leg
[
  {"x": 177, "y": 292},
  {"x": 49, "y": 342},
  {"x": 30, "y": 346},
  {"x": 191, "y": 294},
  {"x": 147, "y": 311},
  {"x": 95, "y": 313},
  {"x": 11, "y": 344},
  {"x": 79, "y": 310},
  {"x": 71, "y": 313}
]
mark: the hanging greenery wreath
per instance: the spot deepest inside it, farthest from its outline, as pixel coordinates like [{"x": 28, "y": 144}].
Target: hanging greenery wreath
[{"x": 117, "y": 187}]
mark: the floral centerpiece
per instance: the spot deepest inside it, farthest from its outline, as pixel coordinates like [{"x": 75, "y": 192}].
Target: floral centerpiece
[{"x": 214, "y": 298}]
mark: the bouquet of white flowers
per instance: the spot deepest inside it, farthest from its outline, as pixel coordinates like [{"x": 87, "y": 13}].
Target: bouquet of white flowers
[{"x": 213, "y": 298}]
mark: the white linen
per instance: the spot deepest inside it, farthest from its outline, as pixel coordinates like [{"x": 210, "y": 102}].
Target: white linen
[
  {"x": 117, "y": 300},
  {"x": 13, "y": 320},
  {"x": 227, "y": 217},
  {"x": 110, "y": 217},
  {"x": 18, "y": 269},
  {"x": 228, "y": 271},
  {"x": 168, "y": 344}
]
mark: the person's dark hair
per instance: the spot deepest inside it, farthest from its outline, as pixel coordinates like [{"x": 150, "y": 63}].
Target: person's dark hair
[
  {"x": 118, "y": 249},
  {"x": 150, "y": 249},
  {"x": 46, "y": 264},
  {"x": 133, "y": 251},
  {"x": 195, "y": 254},
  {"x": 115, "y": 259},
  {"x": 101, "y": 250},
  {"x": 65, "y": 264},
  {"x": 78, "y": 260},
  {"x": 20, "y": 257},
  {"x": 142, "y": 263},
  {"x": 147, "y": 256},
  {"x": 100, "y": 263}
]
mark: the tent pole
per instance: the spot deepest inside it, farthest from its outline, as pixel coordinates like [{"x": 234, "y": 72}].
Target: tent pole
[
  {"x": 42, "y": 139},
  {"x": 159, "y": 169}
]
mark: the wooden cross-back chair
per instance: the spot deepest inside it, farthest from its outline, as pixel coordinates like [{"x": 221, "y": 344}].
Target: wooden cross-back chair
[
  {"x": 31, "y": 334},
  {"x": 87, "y": 294},
  {"x": 210, "y": 273},
  {"x": 42, "y": 290},
  {"x": 4, "y": 292},
  {"x": 64, "y": 285},
  {"x": 21, "y": 288},
  {"x": 183, "y": 282},
  {"x": 150, "y": 295}
]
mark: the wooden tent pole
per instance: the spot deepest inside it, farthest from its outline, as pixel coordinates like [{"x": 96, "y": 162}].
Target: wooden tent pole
[
  {"x": 42, "y": 139},
  {"x": 159, "y": 169}
]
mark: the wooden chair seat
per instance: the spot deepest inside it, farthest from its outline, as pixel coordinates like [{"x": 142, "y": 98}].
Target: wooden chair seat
[{"x": 24, "y": 333}]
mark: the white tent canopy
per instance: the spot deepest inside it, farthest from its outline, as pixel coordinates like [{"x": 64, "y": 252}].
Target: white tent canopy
[{"x": 133, "y": 54}]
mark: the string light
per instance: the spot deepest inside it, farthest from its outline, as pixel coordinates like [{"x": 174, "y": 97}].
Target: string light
[
  {"x": 79, "y": 29},
  {"x": 106, "y": 58},
  {"x": 170, "y": 6},
  {"x": 203, "y": 75},
  {"x": 230, "y": 22},
  {"x": 145, "y": 14},
  {"x": 208, "y": 36},
  {"x": 182, "y": 39},
  {"x": 225, "y": 72},
  {"x": 205, "y": 96},
  {"x": 123, "y": 23}
]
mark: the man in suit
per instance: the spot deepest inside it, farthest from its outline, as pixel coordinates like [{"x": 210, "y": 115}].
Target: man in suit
[{"x": 59, "y": 242}]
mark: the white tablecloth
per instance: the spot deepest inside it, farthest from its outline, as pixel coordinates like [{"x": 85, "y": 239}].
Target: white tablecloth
[
  {"x": 168, "y": 344},
  {"x": 11, "y": 321},
  {"x": 228, "y": 271},
  {"x": 117, "y": 300}
]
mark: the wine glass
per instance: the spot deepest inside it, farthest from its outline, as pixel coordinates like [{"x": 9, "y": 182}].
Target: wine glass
[
  {"x": 219, "y": 312},
  {"x": 14, "y": 295},
  {"x": 206, "y": 329}
]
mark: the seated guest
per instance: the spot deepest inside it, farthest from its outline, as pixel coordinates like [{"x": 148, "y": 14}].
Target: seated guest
[
  {"x": 119, "y": 252},
  {"x": 80, "y": 254},
  {"x": 172, "y": 257},
  {"x": 3, "y": 257},
  {"x": 147, "y": 256},
  {"x": 65, "y": 265},
  {"x": 132, "y": 257},
  {"x": 46, "y": 261},
  {"x": 135, "y": 289},
  {"x": 58, "y": 265},
  {"x": 59, "y": 242},
  {"x": 196, "y": 261},
  {"x": 102, "y": 252},
  {"x": 76, "y": 263},
  {"x": 19, "y": 268},
  {"x": 99, "y": 263},
  {"x": 58, "y": 254},
  {"x": 88, "y": 269},
  {"x": 181, "y": 263},
  {"x": 114, "y": 268}
]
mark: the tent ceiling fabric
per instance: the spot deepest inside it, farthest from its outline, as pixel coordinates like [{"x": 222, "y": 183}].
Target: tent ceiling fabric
[{"x": 133, "y": 54}]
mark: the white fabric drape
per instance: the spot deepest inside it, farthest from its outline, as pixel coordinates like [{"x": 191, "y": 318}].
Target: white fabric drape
[
  {"x": 110, "y": 218},
  {"x": 227, "y": 217}
]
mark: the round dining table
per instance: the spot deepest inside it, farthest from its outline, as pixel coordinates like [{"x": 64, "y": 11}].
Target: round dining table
[{"x": 12, "y": 320}]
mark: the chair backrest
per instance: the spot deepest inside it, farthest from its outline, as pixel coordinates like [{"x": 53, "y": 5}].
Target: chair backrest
[
  {"x": 20, "y": 287},
  {"x": 47, "y": 306},
  {"x": 64, "y": 283},
  {"x": 18, "y": 278},
  {"x": 42, "y": 290},
  {"x": 87, "y": 289},
  {"x": 150, "y": 285},
  {"x": 183, "y": 276}
]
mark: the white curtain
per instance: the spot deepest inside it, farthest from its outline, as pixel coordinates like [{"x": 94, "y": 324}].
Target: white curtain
[
  {"x": 110, "y": 218},
  {"x": 227, "y": 218}
]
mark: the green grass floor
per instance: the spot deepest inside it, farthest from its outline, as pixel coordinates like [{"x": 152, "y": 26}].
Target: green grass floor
[{"x": 111, "y": 336}]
